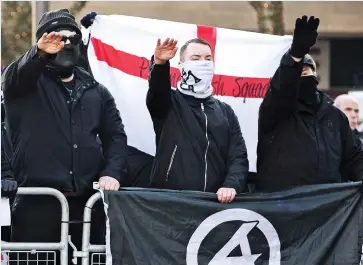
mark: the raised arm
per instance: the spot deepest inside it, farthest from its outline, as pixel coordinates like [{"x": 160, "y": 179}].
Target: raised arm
[
  {"x": 282, "y": 95},
  {"x": 19, "y": 79},
  {"x": 158, "y": 97}
]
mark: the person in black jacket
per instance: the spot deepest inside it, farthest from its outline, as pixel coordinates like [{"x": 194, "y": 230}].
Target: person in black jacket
[
  {"x": 55, "y": 111},
  {"x": 138, "y": 163},
  {"x": 199, "y": 144},
  {"x": 303, "y": 139}
]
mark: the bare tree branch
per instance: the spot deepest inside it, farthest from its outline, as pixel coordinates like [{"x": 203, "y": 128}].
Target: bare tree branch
[
  {"x": 269, "y": 16},
  {"x": 76, "y": 7}
]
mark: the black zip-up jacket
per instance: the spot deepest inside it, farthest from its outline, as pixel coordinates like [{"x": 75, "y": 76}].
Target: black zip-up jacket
[
  {"x": 53, "y": 137},
  {"x": 199, "y": 144},
  {"x": 297, "y": 146}
]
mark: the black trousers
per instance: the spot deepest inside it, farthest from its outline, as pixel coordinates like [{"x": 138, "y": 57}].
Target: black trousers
[{"x": 38, "y": 219}]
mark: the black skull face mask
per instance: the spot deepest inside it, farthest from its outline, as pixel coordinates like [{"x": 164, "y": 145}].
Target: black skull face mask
[{"x": 67, "y": 58}]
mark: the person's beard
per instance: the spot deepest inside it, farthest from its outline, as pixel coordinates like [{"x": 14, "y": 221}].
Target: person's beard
[{"x": 66, "y": 60}]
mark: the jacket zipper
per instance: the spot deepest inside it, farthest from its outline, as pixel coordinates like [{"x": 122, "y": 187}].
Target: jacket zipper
[
  {"x": 171, "y": 162},
  {"x": 317, "y": 143},
  {"x": 206, "y": 150}
]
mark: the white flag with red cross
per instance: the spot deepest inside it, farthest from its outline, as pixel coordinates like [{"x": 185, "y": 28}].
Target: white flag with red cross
[{"x": 120, "y": 50}]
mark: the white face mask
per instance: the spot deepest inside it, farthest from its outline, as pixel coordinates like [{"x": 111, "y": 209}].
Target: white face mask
[{"x": 196, "y": 78}]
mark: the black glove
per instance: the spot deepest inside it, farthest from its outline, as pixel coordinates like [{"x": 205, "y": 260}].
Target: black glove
[
  {"x": 8, "y": 188},
  {"x": 305, "y": 36},
  {"x": 88, "y": 19}
]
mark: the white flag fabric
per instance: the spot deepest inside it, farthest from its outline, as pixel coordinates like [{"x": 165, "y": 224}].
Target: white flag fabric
[
  {"x": 119, "y": 54},
  {"x": 4, "y": 257},
  {"x": 5, "y": 213}
]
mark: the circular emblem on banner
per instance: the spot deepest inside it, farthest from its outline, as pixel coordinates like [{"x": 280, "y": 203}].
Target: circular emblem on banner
[{"x": 250, "y": 220}]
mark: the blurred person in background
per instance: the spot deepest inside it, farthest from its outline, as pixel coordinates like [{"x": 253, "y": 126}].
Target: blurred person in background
[
  {"x": 303, "y": 139},
  {"x": 55, "y": 111},
  {"x": 350, "y": 106}
]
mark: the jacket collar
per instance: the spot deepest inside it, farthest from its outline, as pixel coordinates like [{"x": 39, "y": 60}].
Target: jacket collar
[{"x": 82, "y": 76}]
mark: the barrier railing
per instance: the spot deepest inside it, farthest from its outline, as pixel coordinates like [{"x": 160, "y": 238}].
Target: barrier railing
[
  {"x": 34, "y": 248},
  {"x": 87, "y": 248}
]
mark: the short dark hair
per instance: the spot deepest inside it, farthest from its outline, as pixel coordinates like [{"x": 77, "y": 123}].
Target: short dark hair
[{"x": 196, "y": 40}]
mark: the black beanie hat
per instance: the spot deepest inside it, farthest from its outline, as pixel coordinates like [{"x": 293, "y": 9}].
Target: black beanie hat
[
  {"x": 308, "y": 60},
  {"x": 56, "y": 19}
]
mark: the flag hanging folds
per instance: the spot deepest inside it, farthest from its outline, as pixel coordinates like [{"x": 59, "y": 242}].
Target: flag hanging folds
[{"x": 119, "y": 54}]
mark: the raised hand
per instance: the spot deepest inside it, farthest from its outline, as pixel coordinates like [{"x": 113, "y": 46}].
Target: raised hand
[
  {"x": 165, "y": 51},
  {"x": 88, "y": 19},
  {"x": 50, "y": 43},
  {"x": 305, "y": 35}
]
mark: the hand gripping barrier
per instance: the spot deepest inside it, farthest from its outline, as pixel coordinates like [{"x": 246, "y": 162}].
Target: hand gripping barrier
[{"x": 62, "y": 245}]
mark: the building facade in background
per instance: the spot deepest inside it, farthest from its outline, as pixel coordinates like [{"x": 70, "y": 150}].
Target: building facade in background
[{"x": 339, "y": 51}]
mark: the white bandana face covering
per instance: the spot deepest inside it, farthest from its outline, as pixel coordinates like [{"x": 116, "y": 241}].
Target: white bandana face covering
[{"x": 196, "y": 78}]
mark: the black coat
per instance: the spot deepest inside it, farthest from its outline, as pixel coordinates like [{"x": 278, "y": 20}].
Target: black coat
[
  {"x": 297, "y": 146},
  {"x": 138, "y": 163},
  {"x": 6, "y": 172},
  {"x": 54, "y": 139},
  {"x": 190, "y": 156},
  {"x": 358, "y": 134}
]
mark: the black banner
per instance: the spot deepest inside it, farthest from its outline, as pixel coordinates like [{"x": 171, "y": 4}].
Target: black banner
[{"x": 312, "y": 225}]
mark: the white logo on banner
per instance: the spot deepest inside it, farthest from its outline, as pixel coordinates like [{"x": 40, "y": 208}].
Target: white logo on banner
[{"x": 251, "y": 220}]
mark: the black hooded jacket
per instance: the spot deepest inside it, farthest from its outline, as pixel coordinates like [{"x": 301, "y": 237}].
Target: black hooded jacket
[
  {"x": 55, "y": 139},
  {"x": 297, "y": 146},
  {"x": 199, "y": 144}
]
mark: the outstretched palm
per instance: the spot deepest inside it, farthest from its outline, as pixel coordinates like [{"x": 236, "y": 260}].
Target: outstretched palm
[
  {"x": 51, "y": 43},
  {"x": 166, "y": 50}
]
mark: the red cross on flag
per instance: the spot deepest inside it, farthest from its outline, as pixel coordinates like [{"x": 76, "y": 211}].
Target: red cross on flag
[{"x": 119, "y": 54}]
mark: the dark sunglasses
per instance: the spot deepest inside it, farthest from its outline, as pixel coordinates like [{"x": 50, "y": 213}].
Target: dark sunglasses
[{"x": 74, "y": 39}]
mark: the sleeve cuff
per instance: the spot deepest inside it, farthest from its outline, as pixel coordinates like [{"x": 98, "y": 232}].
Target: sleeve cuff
[
  {"x": 236, "y": 186},
  {"x": 108, "y": 173},
  {"x": 36, "y": 55},
  {"x": 289, "y": 62}
]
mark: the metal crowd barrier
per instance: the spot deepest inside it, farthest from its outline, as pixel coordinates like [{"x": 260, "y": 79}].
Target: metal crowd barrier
[
  {"x": 98, "y": 256},
  {"x": 46, "y": 248},
  {"x": 98, "y": 251}
]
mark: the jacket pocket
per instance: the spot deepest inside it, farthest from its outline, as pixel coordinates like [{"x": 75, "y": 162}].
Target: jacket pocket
[{"x": 171, "y": 162}]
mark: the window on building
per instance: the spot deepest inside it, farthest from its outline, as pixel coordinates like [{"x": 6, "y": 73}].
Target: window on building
[{"x": 346, "y": 62}]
